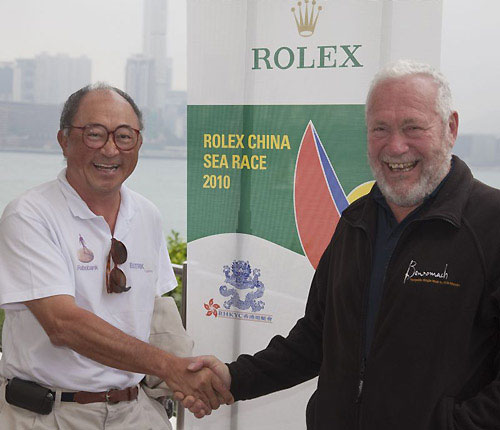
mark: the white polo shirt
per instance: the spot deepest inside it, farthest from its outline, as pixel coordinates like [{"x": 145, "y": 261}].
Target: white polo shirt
[{"x": 51, "y": 243}]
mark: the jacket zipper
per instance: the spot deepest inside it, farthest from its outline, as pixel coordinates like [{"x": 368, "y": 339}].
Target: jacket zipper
[
  {"x": 362, "y": 367},
  {"x": 361, "y": 380}
]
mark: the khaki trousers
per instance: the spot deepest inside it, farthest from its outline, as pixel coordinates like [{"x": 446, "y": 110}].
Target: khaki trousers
[{"x": 143, "y": 413}]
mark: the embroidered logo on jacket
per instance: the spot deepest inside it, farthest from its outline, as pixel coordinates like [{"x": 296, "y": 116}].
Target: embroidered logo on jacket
[{"x": 415, "y": 274}]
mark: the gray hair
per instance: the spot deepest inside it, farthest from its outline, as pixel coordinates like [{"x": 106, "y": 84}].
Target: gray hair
[
  {"x": 402, "y": 68},
  {"x": 71, "y": 105}
]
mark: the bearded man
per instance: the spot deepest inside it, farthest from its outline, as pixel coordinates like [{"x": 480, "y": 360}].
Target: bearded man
[{"x": 402, "y": 318}]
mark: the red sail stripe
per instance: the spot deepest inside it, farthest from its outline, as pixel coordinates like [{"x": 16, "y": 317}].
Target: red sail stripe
[{"x": 315, "y": 214}]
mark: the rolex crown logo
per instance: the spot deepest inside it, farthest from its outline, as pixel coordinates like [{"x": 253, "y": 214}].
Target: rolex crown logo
[{"x": 306, "y": 21}]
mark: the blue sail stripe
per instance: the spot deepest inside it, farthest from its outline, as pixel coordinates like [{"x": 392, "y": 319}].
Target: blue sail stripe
[{"x": 336, "y": 190}]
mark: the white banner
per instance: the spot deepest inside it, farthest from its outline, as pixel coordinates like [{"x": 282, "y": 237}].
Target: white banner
[{"x": 276, "y": 150}]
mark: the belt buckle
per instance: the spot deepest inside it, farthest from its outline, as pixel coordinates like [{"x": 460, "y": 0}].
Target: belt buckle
[{"x": 107, "y": 396}]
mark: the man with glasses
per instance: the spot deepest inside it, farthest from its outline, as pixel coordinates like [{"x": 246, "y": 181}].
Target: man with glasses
[{"x": 83, "y": 258}]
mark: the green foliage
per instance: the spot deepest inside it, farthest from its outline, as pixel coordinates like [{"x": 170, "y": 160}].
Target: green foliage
[{"x": 177, "y": 249}]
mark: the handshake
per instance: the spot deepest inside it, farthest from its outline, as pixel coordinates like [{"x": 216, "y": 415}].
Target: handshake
[{"x": 201, "y": 384}]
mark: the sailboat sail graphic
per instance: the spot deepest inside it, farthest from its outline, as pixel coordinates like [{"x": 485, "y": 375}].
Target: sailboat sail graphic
[{"x": 319, "y": 199}]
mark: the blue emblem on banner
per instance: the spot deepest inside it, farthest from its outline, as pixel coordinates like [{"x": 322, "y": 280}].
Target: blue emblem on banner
[{"x": 240, "y": 276}]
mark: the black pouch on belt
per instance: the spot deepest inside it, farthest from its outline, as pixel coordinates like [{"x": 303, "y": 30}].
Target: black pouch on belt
[{"x": 29, "y": 395}]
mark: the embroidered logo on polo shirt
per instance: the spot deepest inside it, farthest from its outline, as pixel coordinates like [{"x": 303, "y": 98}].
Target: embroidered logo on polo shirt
[
  {"x": 84, "y": 254},
  {"x": 415, "y": 274},
  {"x": 140, "y": 266}
]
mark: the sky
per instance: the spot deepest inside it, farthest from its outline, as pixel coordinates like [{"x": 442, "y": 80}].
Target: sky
[
  {"x": 470, "y": 60},
  {"x": 109, "y": 31}
]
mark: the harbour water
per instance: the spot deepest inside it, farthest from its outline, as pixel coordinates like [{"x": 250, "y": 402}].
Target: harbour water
[{"x": 161, "y": 180}]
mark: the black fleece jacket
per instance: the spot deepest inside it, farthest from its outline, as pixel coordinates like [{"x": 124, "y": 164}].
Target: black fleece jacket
[{"x": 434, "y": 360}]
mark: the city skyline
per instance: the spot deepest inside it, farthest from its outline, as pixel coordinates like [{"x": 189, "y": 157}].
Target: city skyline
[
  {"x": 43, "y": 79},
  {"x": 106, "y": 32},
  {"x": 33, "y": 87},
  {"x": 110, "y": 32}
]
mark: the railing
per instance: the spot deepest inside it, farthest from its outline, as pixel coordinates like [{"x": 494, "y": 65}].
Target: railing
[{"x": 181, "y": 271}]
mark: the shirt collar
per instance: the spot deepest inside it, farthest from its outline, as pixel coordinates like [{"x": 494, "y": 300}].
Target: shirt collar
[{"x": 80, "y": 209}]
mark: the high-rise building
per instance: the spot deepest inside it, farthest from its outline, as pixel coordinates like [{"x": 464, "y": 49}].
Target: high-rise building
[
  {"x": 154, "y": 48},
  {"x": 154, "y": 30},
  {"x": 149, "y": 81},
  {"x": 24, "y": 80},
  {"x": 154, "y": 45},
  {"x": 6, "y": 80},
  {"x": 49, "y": 79},
  {"x": 140, "y": 80},
  {"x": 57, "y": 76}
]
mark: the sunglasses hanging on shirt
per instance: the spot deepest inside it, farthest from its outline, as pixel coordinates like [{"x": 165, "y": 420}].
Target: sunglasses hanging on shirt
[{"x": 116, "y": 281}]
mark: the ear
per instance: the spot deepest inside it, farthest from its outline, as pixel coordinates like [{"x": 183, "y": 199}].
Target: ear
[
  {"x": 453, "y": 127},
  {"x": 63, "y": 141},
  {"x": 139, "y": 142}
]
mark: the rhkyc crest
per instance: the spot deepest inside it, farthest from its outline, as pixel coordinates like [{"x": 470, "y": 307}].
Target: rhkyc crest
[
  {"x": 244, "y": 291},
  {"x": 241, "y": 279}
]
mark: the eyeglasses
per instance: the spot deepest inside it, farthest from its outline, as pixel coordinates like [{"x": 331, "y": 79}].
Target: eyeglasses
[
  {"x": 116, "y": 280},
  {"x": 95, "y": 136}
]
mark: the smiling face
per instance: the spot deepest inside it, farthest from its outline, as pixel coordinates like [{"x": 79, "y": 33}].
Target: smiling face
[
  {"x": 409, "y": 147},
  {"x": 98, "y": 173}
]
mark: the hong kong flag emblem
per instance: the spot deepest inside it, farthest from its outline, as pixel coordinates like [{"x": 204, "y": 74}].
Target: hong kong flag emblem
[{"x": 319, "y": 199}]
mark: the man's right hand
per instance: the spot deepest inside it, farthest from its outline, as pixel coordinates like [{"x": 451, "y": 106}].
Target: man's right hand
[
  {"x": 196, "y": 405},
  {"x": 201, "y": 383}
]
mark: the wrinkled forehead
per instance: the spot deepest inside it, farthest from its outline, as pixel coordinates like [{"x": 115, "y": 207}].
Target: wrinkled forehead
[{"x": 417, "y": 92}]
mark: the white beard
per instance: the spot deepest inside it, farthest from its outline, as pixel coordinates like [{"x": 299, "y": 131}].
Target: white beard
[{"x": 433, "y": 172}]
